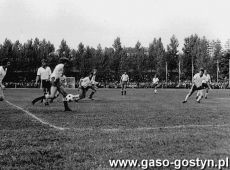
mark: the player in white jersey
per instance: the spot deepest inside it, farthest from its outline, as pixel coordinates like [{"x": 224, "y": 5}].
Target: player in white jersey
[
  {"x": 56, "y": 85},
  {"x": 3, "y": 71},
  {"x": 124, "y": 82},
  {"x": 155, "y": 83},
  {"x": 94, "y": 84},
  {"x": 84, "y": 85},
  {"x": 198, "y": 85},
  {"x": 207, "y": 84},
  {"x": 43, "y": 74}
]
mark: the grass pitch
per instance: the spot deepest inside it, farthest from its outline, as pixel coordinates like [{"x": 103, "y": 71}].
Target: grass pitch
[{"x": 113, "y": 127}]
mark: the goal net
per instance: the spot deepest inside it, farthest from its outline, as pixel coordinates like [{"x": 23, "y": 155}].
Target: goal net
[{"x": 68, "y": 82}]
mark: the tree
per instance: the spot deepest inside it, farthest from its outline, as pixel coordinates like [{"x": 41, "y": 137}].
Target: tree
[
  {"x": 172, "y": 56},
  {"x": 64, "y": 50}
]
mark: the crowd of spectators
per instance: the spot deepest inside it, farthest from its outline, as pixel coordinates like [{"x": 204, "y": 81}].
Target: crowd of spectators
[{"x": 163, "y": 84}]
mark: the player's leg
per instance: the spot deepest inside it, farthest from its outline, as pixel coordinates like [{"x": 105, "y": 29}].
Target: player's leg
[
  {"x": 44, "y": 87},
  {"x": 206, "y": 93},
  {"x": 1, "y": 93},
  {"x": 125, "y": 86},
  {"x": 62, "y": 91},
  {"x": 122, "y": 88},
  {"x": 92, "y": 93},
  {"x": 82, "y": 94},
  {"x": 200, "y": 95},
  {"x": 192, "y": 90},
  {"x": 41, "y": 98},
  {"x": 155, "y": 88}
]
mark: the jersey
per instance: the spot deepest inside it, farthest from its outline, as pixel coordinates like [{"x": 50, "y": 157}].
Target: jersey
[
  {"x": 44, "y": 73},
  {"x": 124, "y": 77},
  {"x": 2, "y": 73},
  {"x": 93, "y": 80},
  {"x": 198, "y": 80},
  {"x": 58, "y": 71},
  {"x": 207, "y": 78},
  {"x": 86, "y": 82},
  {"x": 155, "y": 80}
]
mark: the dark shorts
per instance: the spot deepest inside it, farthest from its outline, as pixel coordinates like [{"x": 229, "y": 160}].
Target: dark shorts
[
  {"x": 46, "y": 84},
  {"x": 57, "y": 83},
  {"x": 205, "y": 85},
  {"x": 195, "y": 88},
  {"x": 155, "y": 85}
]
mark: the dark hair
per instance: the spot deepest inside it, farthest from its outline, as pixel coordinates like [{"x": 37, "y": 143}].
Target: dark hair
[{"x": 201, "y": 69}]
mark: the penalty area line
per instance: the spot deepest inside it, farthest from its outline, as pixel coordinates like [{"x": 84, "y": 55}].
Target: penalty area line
[{"x": 35, "y": 117}]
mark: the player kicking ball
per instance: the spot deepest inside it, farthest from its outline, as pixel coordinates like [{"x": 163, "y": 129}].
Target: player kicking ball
[
  {"x": 124, "y": 82},
  {"x": 198, "y": 81},
  {"x": 155, "y": 83},
  {"x": 3, "y": 70},
  {"x": 56, "y": 85}
]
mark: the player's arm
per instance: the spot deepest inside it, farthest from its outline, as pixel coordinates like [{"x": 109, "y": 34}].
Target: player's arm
[
  {"x": 38, "y": 77},
  {"x": 209, "y": 84},
  {"x": 49, "y": 73}
]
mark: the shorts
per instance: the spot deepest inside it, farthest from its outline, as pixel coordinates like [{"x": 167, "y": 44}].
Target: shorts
[
  {"x": 205, "y": 85},
  {"x": 124, "y": 83},
  {"x": 46, "y": 84},
  {"x": 195, "y": 88},
  {"x": 57, "y": 83},
  {"x": 155, "y": 85}
]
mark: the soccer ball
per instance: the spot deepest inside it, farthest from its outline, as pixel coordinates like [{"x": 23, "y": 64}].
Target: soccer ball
[{"x": 69, "y": 98}]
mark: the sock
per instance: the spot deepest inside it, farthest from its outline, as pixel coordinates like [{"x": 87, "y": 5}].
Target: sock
[
  {"x": 91, "y": 95},
  {"x": 37, "y": 99},
  {"x": 66, "y": 105}
]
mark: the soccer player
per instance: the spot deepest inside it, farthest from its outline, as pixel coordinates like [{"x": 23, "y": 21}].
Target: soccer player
[
  {"x": 197, "y": 85},
  {"x": 207, "y": 84},
  {"x": 85, "y": 84},
  {"x": 93, "y": 84},
  {"x": 56, "y": 85},
  {"x": 3, "y": 70},
  {"x": 43, "y": 74},
  {"x": 155, "y": 83},
  {"x": 124, "y": 82}
]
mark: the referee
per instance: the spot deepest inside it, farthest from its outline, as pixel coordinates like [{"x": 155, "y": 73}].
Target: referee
[{"x": 43, "y": 74}]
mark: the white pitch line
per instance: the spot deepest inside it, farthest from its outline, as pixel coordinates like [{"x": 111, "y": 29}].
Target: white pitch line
[
  {"x": 35, "y": 117},
  {"x": 163, "y": 127},
  {"x": 116, "y": 129}
]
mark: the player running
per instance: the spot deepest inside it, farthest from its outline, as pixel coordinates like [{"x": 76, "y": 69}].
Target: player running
[
  {"x": 43, "y": 74},
  {"x": 93, "y": 84},
  {"x": 3, "y": 71},
  {"x": 197, "y": 85},
  {"x": 155, "y": 83},
  {"x": 207, "y": 84},
  {"x": 124, "y": 82},
  {"x": 56, "y": 85}
]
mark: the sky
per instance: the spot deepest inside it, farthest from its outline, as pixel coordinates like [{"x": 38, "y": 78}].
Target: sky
[{"x": 94, "y": 22}]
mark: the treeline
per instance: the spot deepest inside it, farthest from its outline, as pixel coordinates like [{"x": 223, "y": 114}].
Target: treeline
[{"x": 140, "y": 62}]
